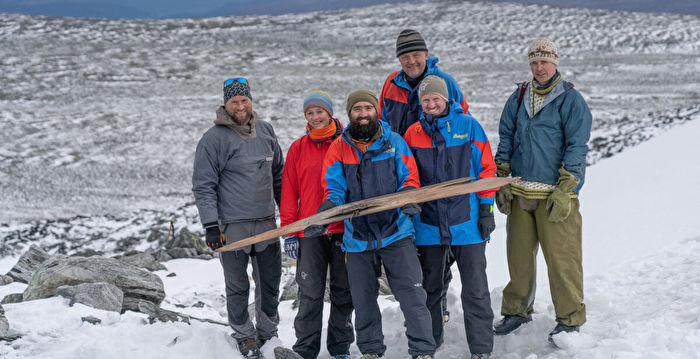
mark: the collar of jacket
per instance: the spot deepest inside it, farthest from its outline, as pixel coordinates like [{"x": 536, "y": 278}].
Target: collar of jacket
[
  {"x": 431, "y": 69},
  {"x": 558, "y": 90},
  {"x": 245, "y": 131}
]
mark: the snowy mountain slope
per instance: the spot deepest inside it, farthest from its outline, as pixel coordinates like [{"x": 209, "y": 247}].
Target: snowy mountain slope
[
  {"x": 101, "y": 117},
  {"x": 641, "y": 284}
]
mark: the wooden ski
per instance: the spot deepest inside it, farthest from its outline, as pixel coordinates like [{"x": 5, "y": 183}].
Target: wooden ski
[{"x": 377, "y": 204}]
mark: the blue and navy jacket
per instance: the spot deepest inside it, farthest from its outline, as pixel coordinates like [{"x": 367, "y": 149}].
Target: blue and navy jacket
[
  {"x": 448, "y": 148},
  {"x": 399, "y": 104},
  {"x": 536, "y": 145},
  {"x": 349, "y": 175}
]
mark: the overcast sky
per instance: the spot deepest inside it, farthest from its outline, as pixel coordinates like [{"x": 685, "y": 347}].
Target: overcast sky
[{"x": 209, "y": 8}]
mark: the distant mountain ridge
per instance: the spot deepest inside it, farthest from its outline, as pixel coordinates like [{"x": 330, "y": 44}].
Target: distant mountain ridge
[{"x": 157, "y": 9}]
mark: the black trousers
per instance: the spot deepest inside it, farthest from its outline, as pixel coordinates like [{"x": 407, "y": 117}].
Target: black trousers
[
  {"x": 432, "y": 260},
  {"x": 317, "y": 257},
  {"x": 403, "y": 273}
]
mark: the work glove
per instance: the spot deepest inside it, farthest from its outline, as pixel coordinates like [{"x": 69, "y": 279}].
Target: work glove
[
  {"x": 291, "y": 246},
  {"x": 410, "y": 209},
  {"x": 214, "y": 238},
  {"x": 316, "y": 230},
  {"x": 559, "y": 202},
  {"x": 486, "y": 221},
  {"x": 504, "y": 196}
]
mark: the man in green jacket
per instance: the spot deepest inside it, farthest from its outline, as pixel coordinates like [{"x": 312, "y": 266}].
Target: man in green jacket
[{"x": 544, "y": 131}]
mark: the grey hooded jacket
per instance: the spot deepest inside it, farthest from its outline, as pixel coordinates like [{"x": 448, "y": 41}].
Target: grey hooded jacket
[{"x": 237, "y": 173}]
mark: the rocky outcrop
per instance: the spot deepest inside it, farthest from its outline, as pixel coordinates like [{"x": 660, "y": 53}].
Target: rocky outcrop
[
  {"x": 4, "y": 324},
  {"x": 5, "y": 279},
  {"x": 142, "y": 260},
  {"x": 100, "y": 295},
  {"x": 72, "y": 271},
  {"x": 12, "y": 298},
  {"x": 28, "y": 263}
]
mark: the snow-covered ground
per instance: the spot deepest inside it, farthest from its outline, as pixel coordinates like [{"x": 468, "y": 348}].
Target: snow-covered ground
[{"x": 641, "y": 268}]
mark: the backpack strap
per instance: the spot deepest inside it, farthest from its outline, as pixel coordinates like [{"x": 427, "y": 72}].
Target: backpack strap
[{"x": 521, "y": 95}]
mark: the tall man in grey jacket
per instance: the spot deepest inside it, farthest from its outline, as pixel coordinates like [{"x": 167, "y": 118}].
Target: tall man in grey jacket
[{"x": 236, "y": 181}]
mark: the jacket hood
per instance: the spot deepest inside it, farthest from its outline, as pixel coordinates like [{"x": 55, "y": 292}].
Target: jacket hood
[{"x": 224, "y": 119}]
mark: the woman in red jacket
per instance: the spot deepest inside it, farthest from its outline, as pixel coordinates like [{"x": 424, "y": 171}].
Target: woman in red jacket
[{"x": 301, "y": 196}]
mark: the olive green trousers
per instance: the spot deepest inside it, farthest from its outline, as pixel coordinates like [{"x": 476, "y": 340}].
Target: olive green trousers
[{"x": 527, "y": 228}]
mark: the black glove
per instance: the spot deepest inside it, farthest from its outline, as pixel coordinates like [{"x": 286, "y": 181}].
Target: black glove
[
  {"x": 486, "y": 221},
  {"x": 215, "y": 239},
  {"x": 316, "y": 230},
  {"x": 410, "y": 209}
]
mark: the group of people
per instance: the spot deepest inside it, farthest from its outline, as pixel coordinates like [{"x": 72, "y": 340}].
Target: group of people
[{"x": 417, "y": 133}]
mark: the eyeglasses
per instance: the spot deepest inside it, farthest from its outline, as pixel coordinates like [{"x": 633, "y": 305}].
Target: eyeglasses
[{"x": 240, "y": 80}]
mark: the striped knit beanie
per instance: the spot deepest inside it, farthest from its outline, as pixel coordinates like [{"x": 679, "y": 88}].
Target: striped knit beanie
[
  {"x": 320, "y": 99},
  {"x": 542, "y": 49},
  {"x": 409, "y": 41}
]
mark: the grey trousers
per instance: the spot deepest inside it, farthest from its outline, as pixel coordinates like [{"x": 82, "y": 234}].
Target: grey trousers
[{"x": 266, "y": 260}]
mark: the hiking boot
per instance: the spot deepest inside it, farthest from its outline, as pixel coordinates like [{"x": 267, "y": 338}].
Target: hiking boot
[
  {"x": 481, "y": 356},
  {"x": 445, "y": 316},
  {"x": 423, "y": 356},
  {"x": 510, "y": 323},
  {"x": 369, "y": 356},
  {"x": 341, "y": 356},
  {"x": 249, "y": 348},
  {"x": 561, "y": 328}
]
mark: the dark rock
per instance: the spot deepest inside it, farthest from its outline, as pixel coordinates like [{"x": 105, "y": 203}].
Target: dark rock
[
  {"x": 199, "y": 304},
  {"x": 55, "y": 272},
  {"x": 90, "y": 319},
  {"x": 4, "y": 324},
  {"x": 12, "y": 298},
  {"x": 156, "y": 313},
  {"x": 162, "y": 255},
  {"x": 171, "y": 274},
  {"x": 87, "y": 253},
  {"x": 104, "y": 296},
  {"x": 285, "y": 353},
  {"x": 143, "y": 260},
  {"x": 179, "y": 252},
  {"x": 28, "y": 263},
  {"x": 5, "y": 279},
  {"x": 186, "y": 239}
]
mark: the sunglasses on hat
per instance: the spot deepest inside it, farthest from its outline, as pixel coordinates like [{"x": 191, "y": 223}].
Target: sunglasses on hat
[{"x": 240, "y": 80}]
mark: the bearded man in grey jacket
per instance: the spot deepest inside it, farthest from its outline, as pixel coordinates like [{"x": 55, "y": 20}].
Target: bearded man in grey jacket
[{"x": 236, "y": 181}]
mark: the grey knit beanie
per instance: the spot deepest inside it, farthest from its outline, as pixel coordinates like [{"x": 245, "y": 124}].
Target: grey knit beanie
[
  {"x": 433, "y": 84},
  {"x": 542, "y": 49},
  {"x": 408, "y": 41}
]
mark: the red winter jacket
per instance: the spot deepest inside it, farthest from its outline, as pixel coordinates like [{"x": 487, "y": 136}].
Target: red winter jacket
[{"x": 301, "y": 182}]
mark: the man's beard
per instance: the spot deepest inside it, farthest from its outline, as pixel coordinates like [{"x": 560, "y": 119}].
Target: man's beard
[
  {"x": 242, "y": 119},
  {"x": 364, "y": 132}
]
